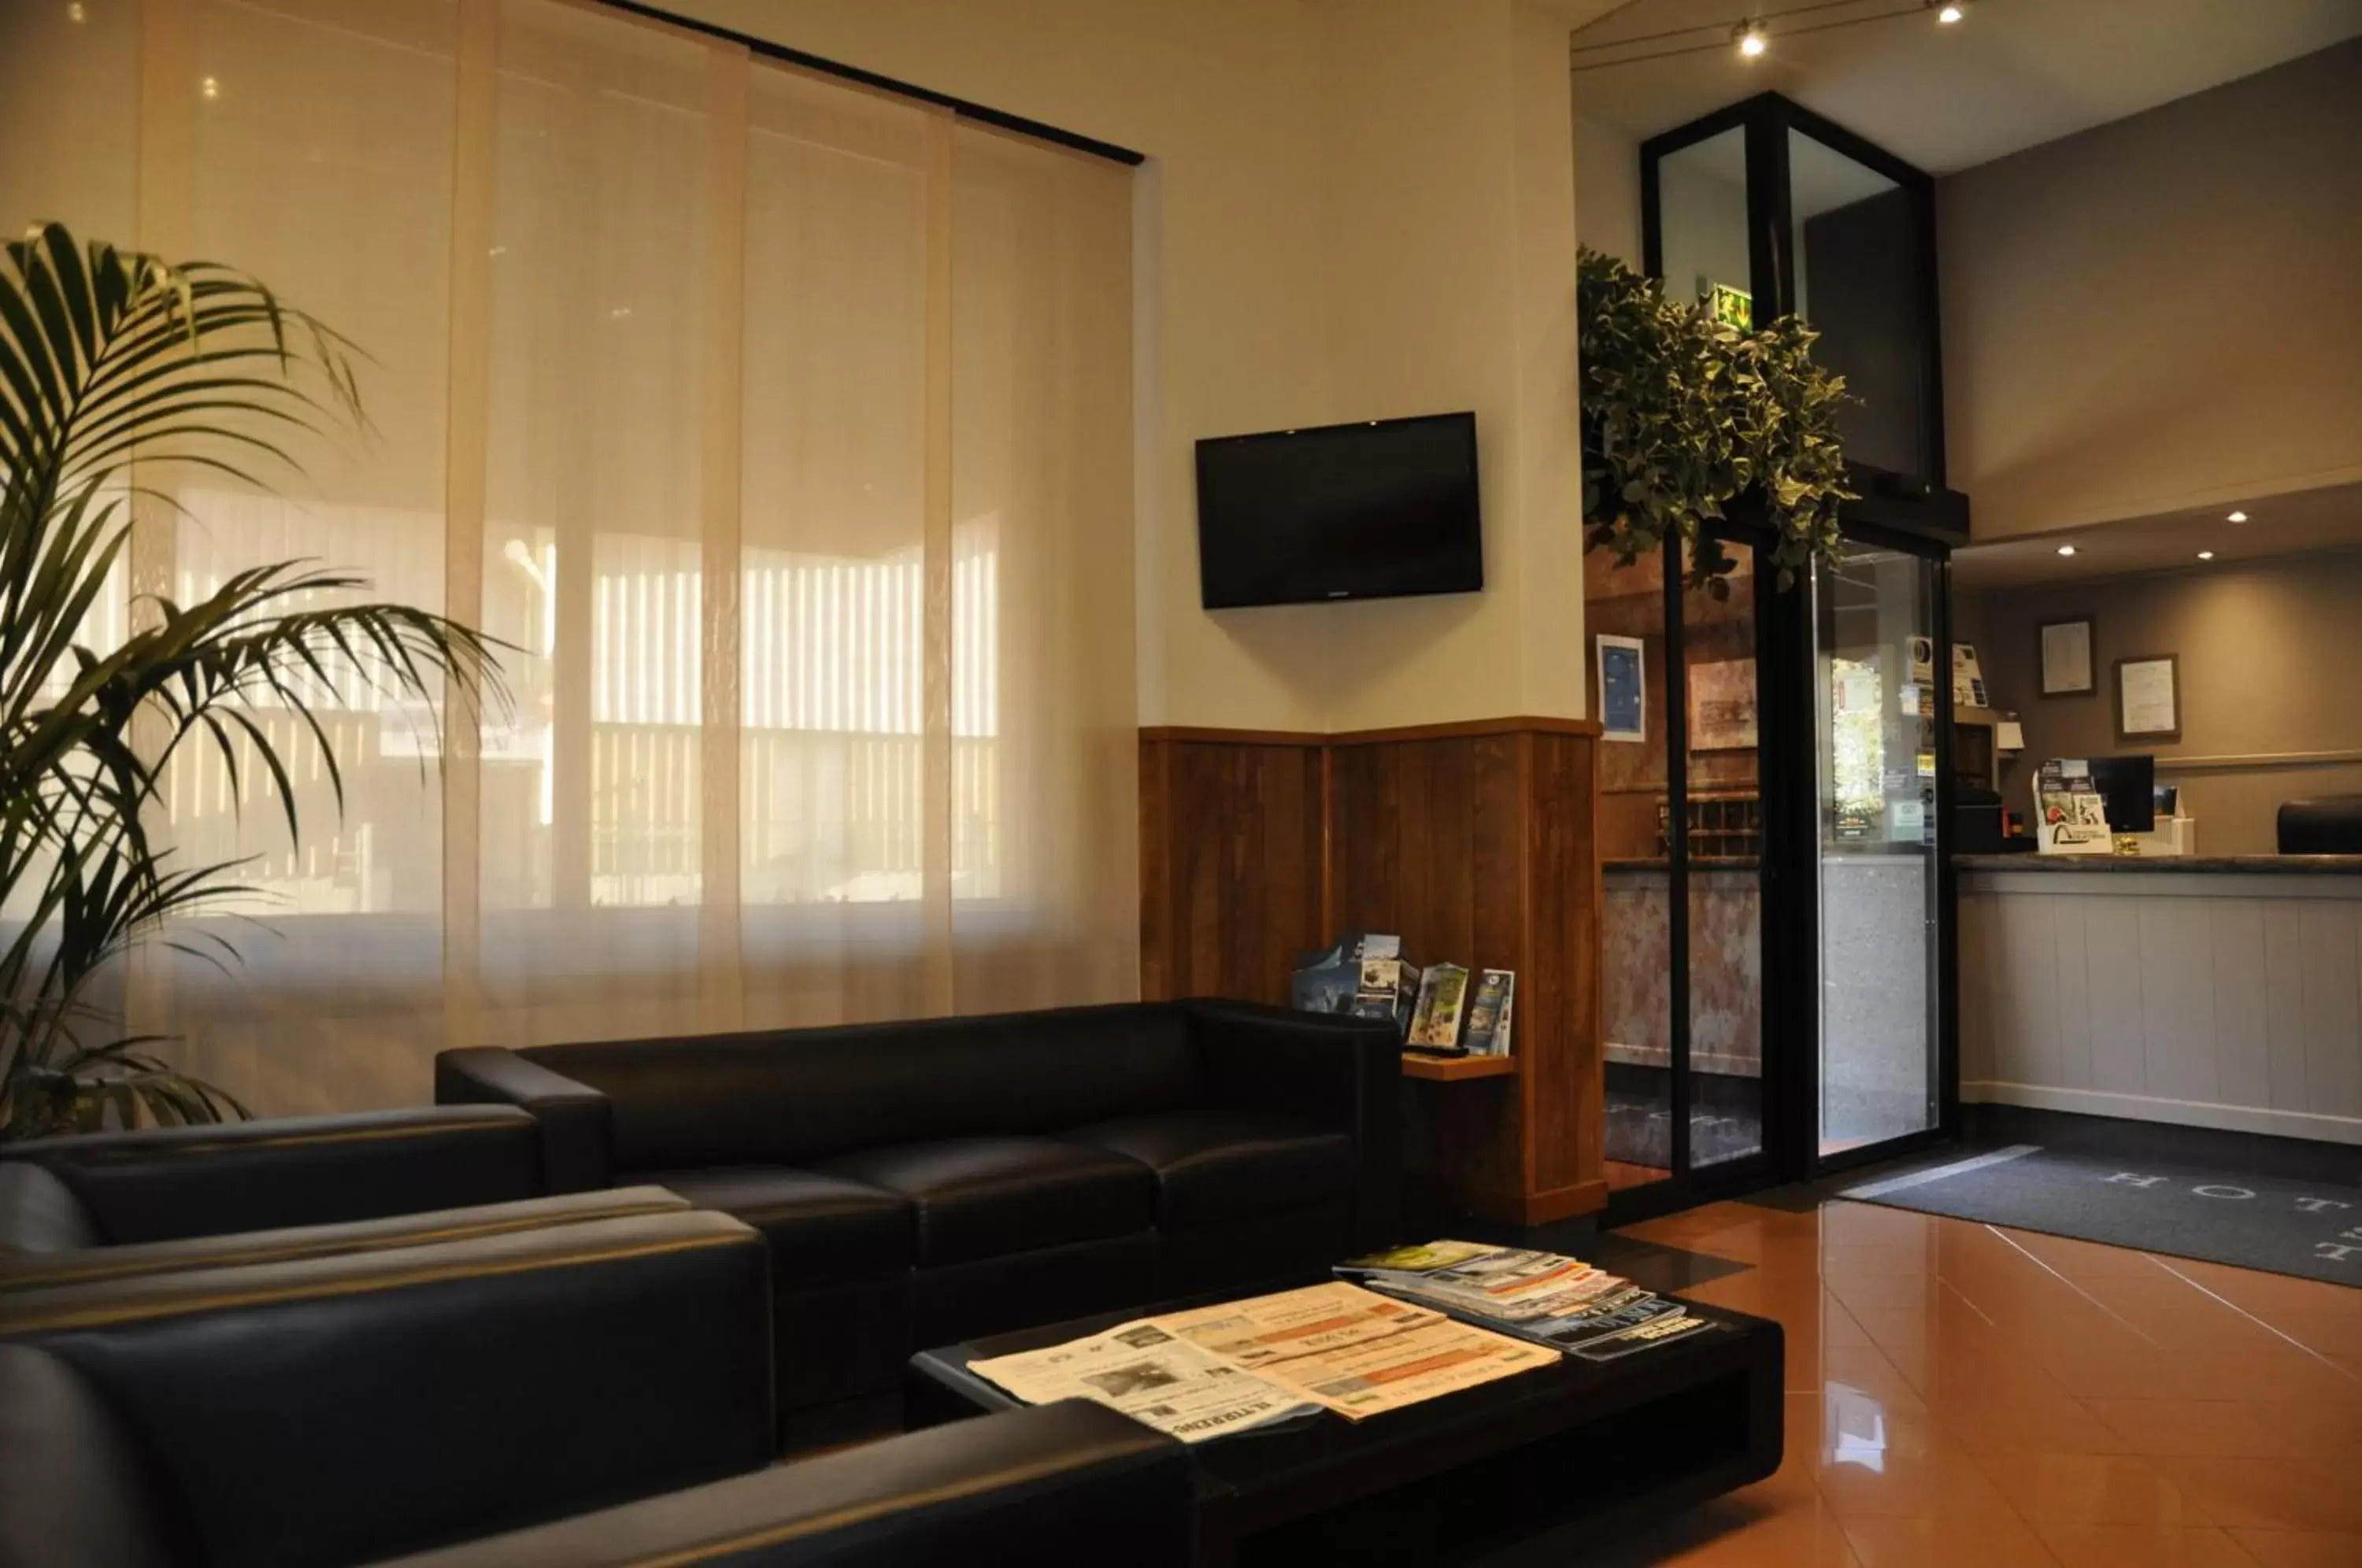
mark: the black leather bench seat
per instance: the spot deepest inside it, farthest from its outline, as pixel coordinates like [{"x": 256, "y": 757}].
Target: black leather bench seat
[
  {"x": 1215, "y": 1167},
  {"x": 818, "y": 1225},
  {"x": 981, "y": 1197}
]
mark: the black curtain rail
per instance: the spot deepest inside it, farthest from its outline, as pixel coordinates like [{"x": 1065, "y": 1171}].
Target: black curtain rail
[{"x": 766, "y": 50}]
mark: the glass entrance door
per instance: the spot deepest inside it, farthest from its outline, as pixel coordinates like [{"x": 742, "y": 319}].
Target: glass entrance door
[
  {"x": 1684, "y": 835},
  {"x": 1882, "y": 678}
]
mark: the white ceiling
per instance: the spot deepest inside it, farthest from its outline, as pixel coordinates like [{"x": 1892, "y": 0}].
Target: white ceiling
[
  {"x": 2326, "y": 519},
  {"x": 2013, "y": 74}
]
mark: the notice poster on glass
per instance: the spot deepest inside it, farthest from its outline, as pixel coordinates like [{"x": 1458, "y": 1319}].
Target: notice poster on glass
[{"x": 1623, "y": 689}]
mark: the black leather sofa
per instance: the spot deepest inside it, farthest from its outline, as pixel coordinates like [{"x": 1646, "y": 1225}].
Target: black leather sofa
[
  {"x": 163, "y": 1185},
  {"x": 593, "y": 1394},
  {"x": 927, "y": 1182}
]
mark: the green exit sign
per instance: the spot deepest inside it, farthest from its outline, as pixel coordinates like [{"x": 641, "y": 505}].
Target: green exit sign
[{"x": 1732, "y": 307}]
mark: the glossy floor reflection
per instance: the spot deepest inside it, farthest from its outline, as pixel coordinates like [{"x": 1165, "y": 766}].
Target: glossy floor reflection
[{"x": 1962, "y": 1395}]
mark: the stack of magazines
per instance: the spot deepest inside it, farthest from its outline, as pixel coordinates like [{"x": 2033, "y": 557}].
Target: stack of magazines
[{"x": 1546, "y": 1298}]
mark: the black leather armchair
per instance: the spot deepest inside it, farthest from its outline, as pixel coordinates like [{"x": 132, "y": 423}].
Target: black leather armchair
[
  {"x": 590, "y": 1394},
  {"x": 926, "y": 1182},
  {"x": 171, "y": 1184}
]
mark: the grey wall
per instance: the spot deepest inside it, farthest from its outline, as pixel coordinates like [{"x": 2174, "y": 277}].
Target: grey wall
[
  {"x": 2157, "y": 312},
  {"x": 2271, "y": 660}
]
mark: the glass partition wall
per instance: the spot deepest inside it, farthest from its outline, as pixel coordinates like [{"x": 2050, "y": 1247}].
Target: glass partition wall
[{"x": 1775, "y": 807}]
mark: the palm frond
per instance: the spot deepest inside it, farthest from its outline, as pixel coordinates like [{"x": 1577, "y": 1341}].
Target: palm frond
[{"x": 109, "y": 357}]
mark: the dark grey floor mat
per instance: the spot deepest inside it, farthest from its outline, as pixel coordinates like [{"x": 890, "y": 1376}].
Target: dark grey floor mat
[{"x": 2310, "y": 1229}]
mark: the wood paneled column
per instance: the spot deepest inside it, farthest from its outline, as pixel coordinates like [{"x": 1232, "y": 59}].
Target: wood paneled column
[{"x": 1474, "y": 841}]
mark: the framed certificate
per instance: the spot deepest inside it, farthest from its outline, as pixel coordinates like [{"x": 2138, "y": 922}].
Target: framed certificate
[
  {"x": 2148, "y": 699},
  {"x": 2067, "y": 669}
]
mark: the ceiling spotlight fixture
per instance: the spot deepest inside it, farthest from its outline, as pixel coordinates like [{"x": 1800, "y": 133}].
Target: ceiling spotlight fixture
[
  {"x": 1751, "y": 39},
  {"x": 2238, "y": 517},
  {"x": 2066, "y": 549},
  {"x": 2206, "y": 554},
  {"x": 1950, "y": 12}
]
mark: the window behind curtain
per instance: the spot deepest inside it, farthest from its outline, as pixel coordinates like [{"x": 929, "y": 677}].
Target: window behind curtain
[{"x": 803, "y": 494}]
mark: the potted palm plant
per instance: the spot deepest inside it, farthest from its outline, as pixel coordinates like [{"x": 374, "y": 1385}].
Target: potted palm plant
[{"x": 107, "y": 358}]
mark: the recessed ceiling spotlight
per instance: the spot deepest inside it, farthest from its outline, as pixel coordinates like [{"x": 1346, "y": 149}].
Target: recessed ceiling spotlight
[
  {"x": 2238, "y": 517},
  {"x": 2066, "y": 549},
  {"x": 2206, "y": 554},
  {"x": 1950, "y": 13},
  {"x": 1751, "y": 39}
]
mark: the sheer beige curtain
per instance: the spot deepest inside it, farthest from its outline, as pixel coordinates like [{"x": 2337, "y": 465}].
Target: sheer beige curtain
[{"x": 783, "y": 426}]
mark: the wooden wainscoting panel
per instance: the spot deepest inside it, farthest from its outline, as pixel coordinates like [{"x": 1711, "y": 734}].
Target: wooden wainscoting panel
[
  {"x": 1230, "y": 836},
  {"x": 1476, "y": 842}
]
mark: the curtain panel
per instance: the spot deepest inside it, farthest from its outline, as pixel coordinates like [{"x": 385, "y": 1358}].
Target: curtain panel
[{"x": 783, "y": 429}]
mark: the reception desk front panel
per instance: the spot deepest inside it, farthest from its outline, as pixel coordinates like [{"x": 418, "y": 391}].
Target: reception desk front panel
[{"x": 2209, "y": 993}]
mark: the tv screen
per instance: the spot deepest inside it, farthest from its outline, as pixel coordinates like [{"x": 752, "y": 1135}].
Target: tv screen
[{"x": 1373, "y": 511}]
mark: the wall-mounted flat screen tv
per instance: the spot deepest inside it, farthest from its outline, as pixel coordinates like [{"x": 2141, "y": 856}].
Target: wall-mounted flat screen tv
[{"x": 1379, "y": 510}]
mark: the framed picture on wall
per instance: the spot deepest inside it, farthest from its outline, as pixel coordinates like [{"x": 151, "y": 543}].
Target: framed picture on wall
[
  {"x": 2148, "y": 699},
  {"x": 1623, "y": 687},
  {"x": 1722, "y": 705},
  {"x": 2067, "y": 668}
]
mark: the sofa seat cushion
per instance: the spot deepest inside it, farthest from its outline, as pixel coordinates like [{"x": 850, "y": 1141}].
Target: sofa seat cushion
[
  {"x": 829, "y": 1227},
  {"x": 982, "y": 1198},
  {"x": 1214, "y": 1167}
]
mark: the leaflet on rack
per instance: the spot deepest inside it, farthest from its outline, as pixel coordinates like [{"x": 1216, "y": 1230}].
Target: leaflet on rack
[{"x": 1212, "y": 1370}]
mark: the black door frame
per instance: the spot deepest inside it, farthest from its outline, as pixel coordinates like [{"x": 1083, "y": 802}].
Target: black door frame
[{"x": 1911, "y": 513}]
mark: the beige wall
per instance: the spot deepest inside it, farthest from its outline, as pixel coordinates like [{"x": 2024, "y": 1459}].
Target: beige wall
[
  {"x": 1606, "y": 188},
  {"x": 1354, "y": 209},
  {"x": 2268, "y": 658},
  {"x": 2157, "y": 312}
]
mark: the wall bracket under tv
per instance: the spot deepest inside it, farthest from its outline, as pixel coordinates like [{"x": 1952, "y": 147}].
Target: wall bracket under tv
[{"x": 1382, "y": 509}]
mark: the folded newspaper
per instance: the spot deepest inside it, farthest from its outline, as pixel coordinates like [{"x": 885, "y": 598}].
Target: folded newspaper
[
  {"x": 1210, "y": 1371},
  {"x": 1547, "y": 1297}
]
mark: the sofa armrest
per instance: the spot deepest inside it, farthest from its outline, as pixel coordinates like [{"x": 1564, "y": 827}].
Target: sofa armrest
[
  {"x": 39, "y": 1216},
  {"x": 90, "y": 1264},
  {"x": 1066, "y": 1486},
  {"x": 164, "y": 1184},
  {"x": 333, "y": 1409},
  {"x": 575, "y": 1117},
  {"x": 1344, "y": 1074}
]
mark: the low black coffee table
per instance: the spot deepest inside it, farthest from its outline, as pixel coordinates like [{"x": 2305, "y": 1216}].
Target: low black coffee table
[{"x": 1525, "y": 1465}]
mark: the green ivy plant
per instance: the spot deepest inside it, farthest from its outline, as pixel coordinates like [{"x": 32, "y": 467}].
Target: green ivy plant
[{"x": 1683, "y": 415}]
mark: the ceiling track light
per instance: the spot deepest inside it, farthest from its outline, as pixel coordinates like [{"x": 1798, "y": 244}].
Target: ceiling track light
[{"x": 1752, "y": 34}]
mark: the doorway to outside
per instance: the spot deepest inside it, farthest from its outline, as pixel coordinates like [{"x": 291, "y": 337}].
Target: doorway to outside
[
  {"x": 1772, "y": 824},
  {"x": 1775, "y": 778}
]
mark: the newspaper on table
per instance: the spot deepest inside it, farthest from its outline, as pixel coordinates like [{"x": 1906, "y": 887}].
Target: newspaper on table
[
  {"x": 1209, "y": 1371},
  {"x": 1150, "y": 1375}
]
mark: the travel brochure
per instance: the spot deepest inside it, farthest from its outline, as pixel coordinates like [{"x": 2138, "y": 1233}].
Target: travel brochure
[
  {"x": 1547, "y": 1297},
  {"x": 1438, "y": 1009},
  {"x": 2070, "y": 813},
  {"x": 1395, "y": 1329}
]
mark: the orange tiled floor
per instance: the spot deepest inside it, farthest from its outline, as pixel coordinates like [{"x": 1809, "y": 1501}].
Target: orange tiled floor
[{"x": 1962, "y": 1395}]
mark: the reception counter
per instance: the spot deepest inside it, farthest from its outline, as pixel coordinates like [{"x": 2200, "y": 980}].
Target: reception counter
[{"x": 2214, "y": 991}]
